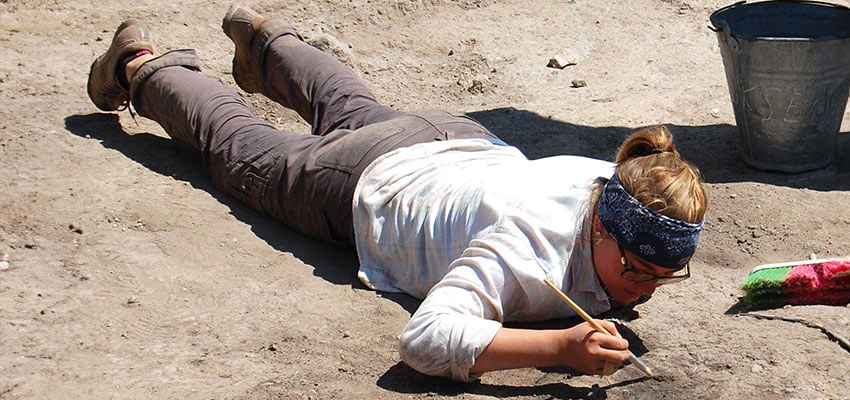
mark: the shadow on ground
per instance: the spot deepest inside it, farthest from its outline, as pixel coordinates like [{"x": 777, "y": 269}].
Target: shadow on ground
[
  {"x": 402, "y": 379},
  {"x": 712, "y": 148},
  {"x": 335, "y": 264}
]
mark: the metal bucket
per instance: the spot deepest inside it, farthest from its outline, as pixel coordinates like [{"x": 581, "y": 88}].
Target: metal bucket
[{"x": 788, "y": 70}]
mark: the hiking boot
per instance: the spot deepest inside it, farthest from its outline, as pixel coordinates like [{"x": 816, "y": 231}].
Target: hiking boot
[
  {"x": 251, "y": 33},
  {"x": 240, "y": 24},
  {"x": 104, "y": 87}
]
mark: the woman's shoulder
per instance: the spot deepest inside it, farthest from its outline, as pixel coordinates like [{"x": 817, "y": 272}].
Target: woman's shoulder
[
  {"x": 577, "y": 160},
  {"x": 572, "y": 170}
]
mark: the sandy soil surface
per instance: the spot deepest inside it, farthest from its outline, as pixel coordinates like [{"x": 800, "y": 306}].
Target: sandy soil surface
[{"x": 130, "y": 276}]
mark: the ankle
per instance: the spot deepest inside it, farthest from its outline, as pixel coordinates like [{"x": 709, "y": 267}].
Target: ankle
[
  {"x": 135, "y": 64},
  {"x": 257, "y": 22}
]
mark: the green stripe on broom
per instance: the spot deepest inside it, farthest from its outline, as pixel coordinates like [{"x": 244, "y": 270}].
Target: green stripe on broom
[
  {"x": 765, "y": 288},
  {"x": 766, "y": 281}
]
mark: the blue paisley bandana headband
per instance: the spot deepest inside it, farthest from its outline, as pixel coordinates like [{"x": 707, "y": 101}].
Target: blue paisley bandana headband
[{"x": 654, "y": 237}]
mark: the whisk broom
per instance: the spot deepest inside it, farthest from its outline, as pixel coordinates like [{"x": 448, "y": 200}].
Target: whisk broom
[{"x": 825, "y": 281}]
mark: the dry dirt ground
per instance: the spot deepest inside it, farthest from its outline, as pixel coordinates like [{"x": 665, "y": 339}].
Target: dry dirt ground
[{"x": 130, "y": 276}]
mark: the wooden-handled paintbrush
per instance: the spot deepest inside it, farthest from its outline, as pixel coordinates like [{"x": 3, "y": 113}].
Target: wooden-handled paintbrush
[{"x": 632, "y": 357}]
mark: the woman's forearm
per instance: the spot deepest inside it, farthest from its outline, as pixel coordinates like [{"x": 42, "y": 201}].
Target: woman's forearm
[
  {"x": 520, "y": 348},
  {"x": 580, "y": 347}
]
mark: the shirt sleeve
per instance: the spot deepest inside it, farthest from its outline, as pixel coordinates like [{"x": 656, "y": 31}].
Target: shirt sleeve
[{"x": 464, "y": 311}]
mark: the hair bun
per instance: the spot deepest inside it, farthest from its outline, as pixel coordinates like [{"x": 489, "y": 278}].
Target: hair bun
[
  {"x": 647, "y": 142},
  {"x": 665, "y": 183}
]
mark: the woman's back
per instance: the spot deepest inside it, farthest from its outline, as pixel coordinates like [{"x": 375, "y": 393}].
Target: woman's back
[{"x": 417, "y": 209}]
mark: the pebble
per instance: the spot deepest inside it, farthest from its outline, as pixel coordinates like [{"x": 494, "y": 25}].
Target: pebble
[
  {"x": 715, "y": 112},
  {"x": 477, "y": 87},
  {"x": 756, "y": 368},
  {"x": 557, "y": 62},
  {"x": 560, "y": 62},
  {"x": 733, "y": 195},
  {"x": 346, "y": 334},
  {"x": 272, "y": 347},
  {"x": 132, "y": 300},
  {"x": 578, "y": 83},
  {"x": 4, "y": 265}
]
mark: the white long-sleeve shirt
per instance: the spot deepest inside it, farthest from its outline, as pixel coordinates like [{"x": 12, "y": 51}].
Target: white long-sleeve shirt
[{"x": 474, "y": 228}]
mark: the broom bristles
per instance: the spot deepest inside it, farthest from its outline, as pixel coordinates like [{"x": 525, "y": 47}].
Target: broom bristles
[
  {"x": 803, "y": 279},
  {"x": 837, "y": 273},
  {"x": 766, "y": 281},
  {"x": 772, "y": 286}
]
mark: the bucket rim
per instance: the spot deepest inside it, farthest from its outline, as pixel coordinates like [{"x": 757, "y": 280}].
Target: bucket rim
[{"x": 722, "y": 26}]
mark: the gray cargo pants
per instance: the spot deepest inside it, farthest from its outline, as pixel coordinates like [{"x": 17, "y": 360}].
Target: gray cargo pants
[{"x": 305, "y": 181}]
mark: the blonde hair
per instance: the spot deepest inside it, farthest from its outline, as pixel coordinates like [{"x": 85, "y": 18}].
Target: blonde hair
[{"x": 650, "y": 168}]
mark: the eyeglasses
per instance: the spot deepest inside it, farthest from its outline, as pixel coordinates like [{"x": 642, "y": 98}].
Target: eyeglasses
[{"x": 633, "y": 274}]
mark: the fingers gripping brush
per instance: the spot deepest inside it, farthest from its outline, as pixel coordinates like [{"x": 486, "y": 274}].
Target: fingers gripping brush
[{"x": 632, "y": 357}]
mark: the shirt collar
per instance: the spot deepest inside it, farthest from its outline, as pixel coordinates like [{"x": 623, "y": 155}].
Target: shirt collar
[{"x": 584, "y": 276}]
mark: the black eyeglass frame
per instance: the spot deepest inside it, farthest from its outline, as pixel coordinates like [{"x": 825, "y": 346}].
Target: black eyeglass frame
[{"x": 633, "y": 274}]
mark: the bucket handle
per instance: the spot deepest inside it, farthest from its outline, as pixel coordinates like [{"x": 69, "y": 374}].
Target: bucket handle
[
  {"x": 724, "y": 25},
  {"x": 730, "y": 39}
]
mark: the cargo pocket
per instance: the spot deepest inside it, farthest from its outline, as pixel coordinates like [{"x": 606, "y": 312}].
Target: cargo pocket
[{"x": 249, "y": 180}]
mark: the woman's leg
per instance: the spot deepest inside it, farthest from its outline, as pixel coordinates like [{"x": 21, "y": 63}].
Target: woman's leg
[
  {"x": 304, "y": 181},
  {"x": 321, "y": 89},
  {"x": 273, "y": 60},
  {"x": 248, "y": 159}
]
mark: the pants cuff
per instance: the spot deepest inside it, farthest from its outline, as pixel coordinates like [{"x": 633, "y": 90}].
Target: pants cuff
[
  {"x": 184, "y": 58},
  {"x": 262, "y": 41}
]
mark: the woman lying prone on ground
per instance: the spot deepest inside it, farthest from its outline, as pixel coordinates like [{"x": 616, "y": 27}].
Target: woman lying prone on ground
[{"x": 436, "y": 205}]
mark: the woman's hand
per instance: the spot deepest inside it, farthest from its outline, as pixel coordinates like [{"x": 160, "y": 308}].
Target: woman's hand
[{"x": 587, "y": 350}]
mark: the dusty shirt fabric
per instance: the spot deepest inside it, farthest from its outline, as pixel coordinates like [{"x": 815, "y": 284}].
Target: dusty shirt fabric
[{"x": 473, "y": 228}]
